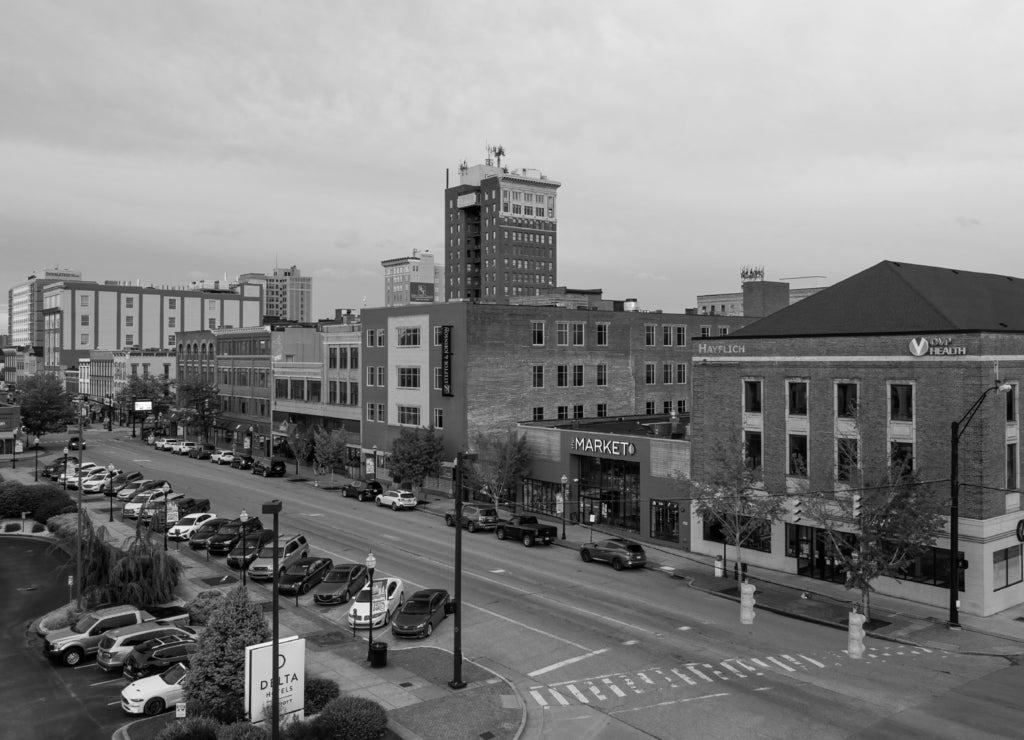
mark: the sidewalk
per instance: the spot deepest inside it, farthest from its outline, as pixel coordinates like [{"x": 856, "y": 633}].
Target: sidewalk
[{"x": 413, "y": 686}]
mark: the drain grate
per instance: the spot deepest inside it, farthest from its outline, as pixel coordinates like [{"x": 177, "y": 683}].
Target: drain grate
[
  {"x": 219, "y": 580},
  {"x": 406, "y": 684}
]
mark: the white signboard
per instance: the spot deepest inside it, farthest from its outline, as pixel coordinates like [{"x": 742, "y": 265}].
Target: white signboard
[
  {"x": 143, "y": 405},
  {"x": 291, "y": 672},
  {"x": 559, "y": 504},
  {"x": 172, "y": 512}
]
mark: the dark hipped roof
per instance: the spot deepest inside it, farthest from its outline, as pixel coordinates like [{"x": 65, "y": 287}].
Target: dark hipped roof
[{"x": 899, "y": 298}]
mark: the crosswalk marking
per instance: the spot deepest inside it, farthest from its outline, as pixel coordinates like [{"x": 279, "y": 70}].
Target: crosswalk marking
[
  {"x": 812, "y": 661},
  {"x": 698, "y": 673},
  {"x": 645, "y": 678},
  {"x": 728, "y": 666},
  {"x": 615, "y": 689},
  {"x": 597, "y": 692},
  {"x": 684, "y": 677},
  {"x": 580, "y": 696},
  {"x": 559, "y": 698},
  {"x": 780, "y": 664},
  {"x": 539, "y": 698}
]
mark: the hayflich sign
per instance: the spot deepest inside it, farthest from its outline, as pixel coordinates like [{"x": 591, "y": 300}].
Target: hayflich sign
[
  {"x": 923, "y": 346},
  {"x": 715, "y": 348},
  {"x": 599, "y": 446}
]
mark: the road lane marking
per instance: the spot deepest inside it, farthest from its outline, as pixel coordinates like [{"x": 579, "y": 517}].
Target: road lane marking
[
  {"x": 540, "y": 699},
  {"x": 812, "y": 661},
  {"x": 693, "y": 670},
  {"x": 670, "y": 703},
  {"x": 779, "y": 663},
  {"x": 684, "y": 677},
  {"x": 597, "y": 692},
  {"x": 109, "y": 680},
  {"x": 615, "y": 689},
  {"x": 725, "y": 664},
  {"x": 580, "y": 696},
  {"x": 563, "y": 663}
]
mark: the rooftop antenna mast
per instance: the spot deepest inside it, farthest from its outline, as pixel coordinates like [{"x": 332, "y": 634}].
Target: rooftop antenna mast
[{"x": 497, "y": 152}]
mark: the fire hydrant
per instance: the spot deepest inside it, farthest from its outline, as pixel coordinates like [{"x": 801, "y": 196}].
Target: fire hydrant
[
  {"x": 747, "y": 603},
  {"x": 855, "y": 645}
]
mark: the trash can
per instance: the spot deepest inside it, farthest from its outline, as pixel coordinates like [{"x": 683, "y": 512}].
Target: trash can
[
  {"x": 378, "y": 654},
  {"x": 719, "y": 567}
]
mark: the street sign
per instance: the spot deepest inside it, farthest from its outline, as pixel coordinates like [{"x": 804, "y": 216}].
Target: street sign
[
  {"x": 179, "y": 710},
  {"x": 559, "y": 504}
]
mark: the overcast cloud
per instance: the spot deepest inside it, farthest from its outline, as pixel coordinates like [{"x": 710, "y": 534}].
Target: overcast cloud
[{"x": 171, "y": 141}]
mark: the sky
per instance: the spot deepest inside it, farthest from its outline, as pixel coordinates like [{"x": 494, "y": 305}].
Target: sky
[{"x": 166, "y": 142}]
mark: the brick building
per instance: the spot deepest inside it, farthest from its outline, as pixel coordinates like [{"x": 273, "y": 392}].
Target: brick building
[{"x": 873, "y": 369}]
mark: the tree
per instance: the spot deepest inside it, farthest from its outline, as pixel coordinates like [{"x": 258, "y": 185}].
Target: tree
[
  {"x": 303, "y": 442},
  {"x": 203, "y": 400},
  {"x": 878, "y": 529},
  {"x": 330, "y": 449},
  {"x": 216, "y": 680},
  {"x": 45, "y": 406},
  {"x": 155, "y": 388},
  {"x": 734, "y": 499},
  {"x": 415, "y": 455},
  {"x": 141, "y": 573},
  {"x": 502, "y": 461}
]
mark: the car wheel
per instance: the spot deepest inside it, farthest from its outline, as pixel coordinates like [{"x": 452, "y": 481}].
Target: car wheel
[
  {"x": 449, "y": 520},
  {"x": 394, "y": 506},
  {"x": 585, "y": 556},
  {"x": 429, "y": 630},
  {"x": 528, "y": 540},
  {"x": 617, "y": 564},
  {"x": 471, "y": 526},
  {"x": 304, "y": 588},
  {"x": 153, "y": 707},
  {"x": 72, "y": 656},
  {"x": 500, "y": 533},
  {"x": 378, "y": 501}
]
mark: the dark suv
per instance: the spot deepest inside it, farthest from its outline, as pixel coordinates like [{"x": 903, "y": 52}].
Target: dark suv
[
  {"x": 230, "y": 534},
  {"x": 157, "y": 655},
  {"x": 207, "y": 531},
  {"x": 474, "y": 517},
  {"x": 268, "y": 467}
]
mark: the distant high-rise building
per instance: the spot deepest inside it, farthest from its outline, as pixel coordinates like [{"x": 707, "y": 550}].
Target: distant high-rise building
[
  {"x": 414, "y": 279},
  {"x": 287, "y": 295},
  {"x": 501, "y": 233},
  {"x": 25, "y": 305}
]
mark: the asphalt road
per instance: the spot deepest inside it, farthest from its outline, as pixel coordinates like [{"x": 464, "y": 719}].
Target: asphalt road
[{"x": 636, "y": 652}]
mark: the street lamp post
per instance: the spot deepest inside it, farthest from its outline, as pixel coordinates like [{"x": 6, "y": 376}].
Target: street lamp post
[
  {"x": 65, "y": 469},
  {"x": 957, "y": 429},
  {"x": 457, "y": 682},
  {"x": 371, "y": 563},
  {"x": 565, "y": 497},
  {"x": 274, "y": 508},
  {"x": 110, "y": 495},
  {"x": 243, "y": 518},
  {"x": 36, "y": 444},
  {"x": 78, "y": 549},
  {"x": 375, "y": 462}
]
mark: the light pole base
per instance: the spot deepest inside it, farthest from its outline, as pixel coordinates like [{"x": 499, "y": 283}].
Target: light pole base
[
  {"x": 953, "y": 626},
  {"x": 456, "y": 684}
]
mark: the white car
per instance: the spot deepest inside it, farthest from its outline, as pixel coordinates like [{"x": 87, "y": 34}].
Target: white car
[
  {"x": 388, "y": 596},
  {"x": 218, "y": 457},
  {"x": 165, "y": 443},
  {"x": 132, "y": 508},
  {"x": 154, "y": 694},
  {"x": 188, "y": 524},
  {"x": 98, "y": 482},
  {"x": 397, "y": 499},
  {"x": 183, "y": 448}
]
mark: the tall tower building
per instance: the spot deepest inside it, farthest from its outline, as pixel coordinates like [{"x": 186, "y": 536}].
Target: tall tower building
[
  {"x": 25, "y": 305},
  {"x": 414, "y": 279},
  {"x": 501, "y": 232},
  {"x": 288, "y": 296}
]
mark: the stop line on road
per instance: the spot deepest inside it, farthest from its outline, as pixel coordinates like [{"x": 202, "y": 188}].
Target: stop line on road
[{"x": 621, "y": 685}]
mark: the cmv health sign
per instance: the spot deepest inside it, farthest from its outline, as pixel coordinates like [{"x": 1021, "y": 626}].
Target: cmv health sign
[{"x": 291, "y": 676}]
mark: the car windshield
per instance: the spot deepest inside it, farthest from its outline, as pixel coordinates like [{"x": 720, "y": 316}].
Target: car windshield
[
  {"x": 633, "y": 547},
  {"x": 186, "y": 520},
  {"x": 298, "y": 570},
  {"x": 268, "y": 552},
  {"x": 416, "y": 606},
  {"x": 173, "y": 674},
  {"x": 338, "y": 575},
  {"x": 252, "y": 541},
  {"x": 208, "y": 528},
  {"x": 230, "y": 529},
  {"x": 488, "y": 512},
  {"x": 84, "y": 624}
]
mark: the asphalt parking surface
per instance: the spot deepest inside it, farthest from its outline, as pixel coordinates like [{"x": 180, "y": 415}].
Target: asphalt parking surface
[{"x": 43, "y": 699}]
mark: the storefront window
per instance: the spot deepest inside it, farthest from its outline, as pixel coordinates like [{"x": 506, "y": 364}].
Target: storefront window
[
  {"x": 759, "y": 539},
  {"x": 665, "y": 520},
  {"x": 539, "y": 496},
  {"x": 610, "y": 491},
  {"x": 1006, "y": 569}
]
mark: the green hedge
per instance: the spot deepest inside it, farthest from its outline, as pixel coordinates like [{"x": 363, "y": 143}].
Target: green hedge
[
  {"x": 41, "y": 500},
  {"x": 346, "y": 718},
  {"x": 192, "y": 728}
]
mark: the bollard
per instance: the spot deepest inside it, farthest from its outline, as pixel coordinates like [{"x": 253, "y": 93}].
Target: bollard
[
  {"x": 719, "y": 567},
  {"x": 747, "y": 603},
  {"x": 856, "y": 628}
]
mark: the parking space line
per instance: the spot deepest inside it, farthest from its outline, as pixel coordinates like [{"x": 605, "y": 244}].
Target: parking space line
[{"x": 563, "y": 663}]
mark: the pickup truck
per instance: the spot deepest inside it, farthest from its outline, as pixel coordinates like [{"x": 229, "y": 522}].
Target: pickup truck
[
  {"x": 70, "y": 644},
  {"x": 527, "y": 529}
]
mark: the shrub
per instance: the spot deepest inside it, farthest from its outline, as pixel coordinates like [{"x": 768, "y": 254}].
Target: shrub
[
  {"x": 12, "y": 527},
  {"x": 192, "y": 728},
  {"x": 37, "y": 527},
  {"x": 242, "y": 731},
  {"x": 200, "y": 609},
  {"x": 351, "y": 718},
  {"x": 319, "y": 691},
  {"x": 301, "y": 730}
]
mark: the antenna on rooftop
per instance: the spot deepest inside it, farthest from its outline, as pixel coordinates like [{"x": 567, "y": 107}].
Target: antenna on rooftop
[{"x": 497, "y": 152}]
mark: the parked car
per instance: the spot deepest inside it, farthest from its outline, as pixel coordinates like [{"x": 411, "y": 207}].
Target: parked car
[
  {"x": 341, "y": 582},
  {"x": 268, "y": 467},
  {"x": 171, "y": 508},
  {"x": 200, "y": 536},
  {"x": 388, "y": 596},
  {"x": 154, "y": 694},
  {"x": 397, "y": 499},
  {"x": 242, "y": 462},
  {"x": 222, "y": 457},
  {"x": 183, "y": 447},
  {"x": 128, "y": 491},
  {"x": 290, "y": 547},
  {"x": 475, "y": 517},
  {"x": 230, "y": 535},
  {"x": 362, "y": 493},
  {"x": 423, "y": 611},
  {"x": 72, "y": 643},
  {"x": 303, "y": 574},
  {"x": 248, "y": 548},
  {"x": 132, "y": 509},
  {"x": 620, "y": 552},
  {"x": 202, "y": 452},
  {"x": 118, "y": 644},
  {"x": 188, "y": 524},
  {"x": 157, "y": 655},
  {"x": 99, "y": 482},
  {"x": 527, "y": 529},
  {"x": 165, "y": 443},
  {"x": 157, "y": 501},
  {"x": 123, "y": 479}
]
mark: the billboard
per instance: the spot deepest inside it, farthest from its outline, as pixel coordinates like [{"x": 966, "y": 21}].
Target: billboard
[
  {"x": 421, "y": 292},
  {"x": 291, "y": 679}
]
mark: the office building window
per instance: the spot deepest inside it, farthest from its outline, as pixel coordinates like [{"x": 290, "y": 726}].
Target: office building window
[
  {"x": 332, "y": 392},
  {"x": 538, "y": 413},
  {"x": 602, "y": 374},
  {"x": 602, "y": 410},
  {"x": 380, "y": 337},
  {"x": 332, "y": 357},
  {"x": 354, "y": 358},
  {"x": 666, "y": 407},
  {"x": 680, "y": 336},
  {"x": 409, "y": 415},
  {"x": 901, "y": 457},
  {"x": 578, "y": 333},
  {"x": 84, "y": 322},
  {"x": 667, "y": 372},
  {"x": 649, "y": 408},
  {"x": 408, "y": 377},
  {"x": 650, "y": 373},
  {"x": 562, "y": 376},
  {"x": 371, "y": 375},
  {"x": 847, "y": 459},
  {"x": 705, "y": 332},
  {"x": 1012, "y": 479},
  {"x": 797, "y": 397},
  {"x": 577, "y": 375},
  {"x": 371, "y": 412},
  {"x": 438, "y": 378},
  {"x": 563, "y": 412},
  {"x": 438, "y": 333},
  {"x": 1006, "y": 567},
  {"x": 723, "y": 331},
  {"x": 409, "y": 336},
  {"x": 666, "y": 335},
  {"x": 680, "y": 372},
  {"x": 752, "y": 396},
  {"x": 577, "y": 411},
  {"x": 1011, "y": 403},
  {"x": 85, "y": 301},
  {"x": 129, "y": 340},
  {"x": 129, "y": 321},
  {"x": 380, "y": 375},
  {"x": 797, "y": 455},
  {"x": 381, "y": 413},
  {"x": 538, "y": 376},
  {"x": 371, "y": 337},
  {"x": 901, "y": 402},
  {"x": 752, "y": 449},
  {"x": 537, "y": 329},
  {"x": 562, "y": 333},
  {"x": 211, "y": 323},
  {"x": 83, "y": 339},
  {"x": 129, "y": 302},
  {"x": 172, "y": 303},
  {"x": 438, "y": 418},
  {"x": 602, "y": 335},
  {"x": 172, "y": 322},
  {"x": 650, "y": 331},
  {"x": 846, "y": 400}
]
